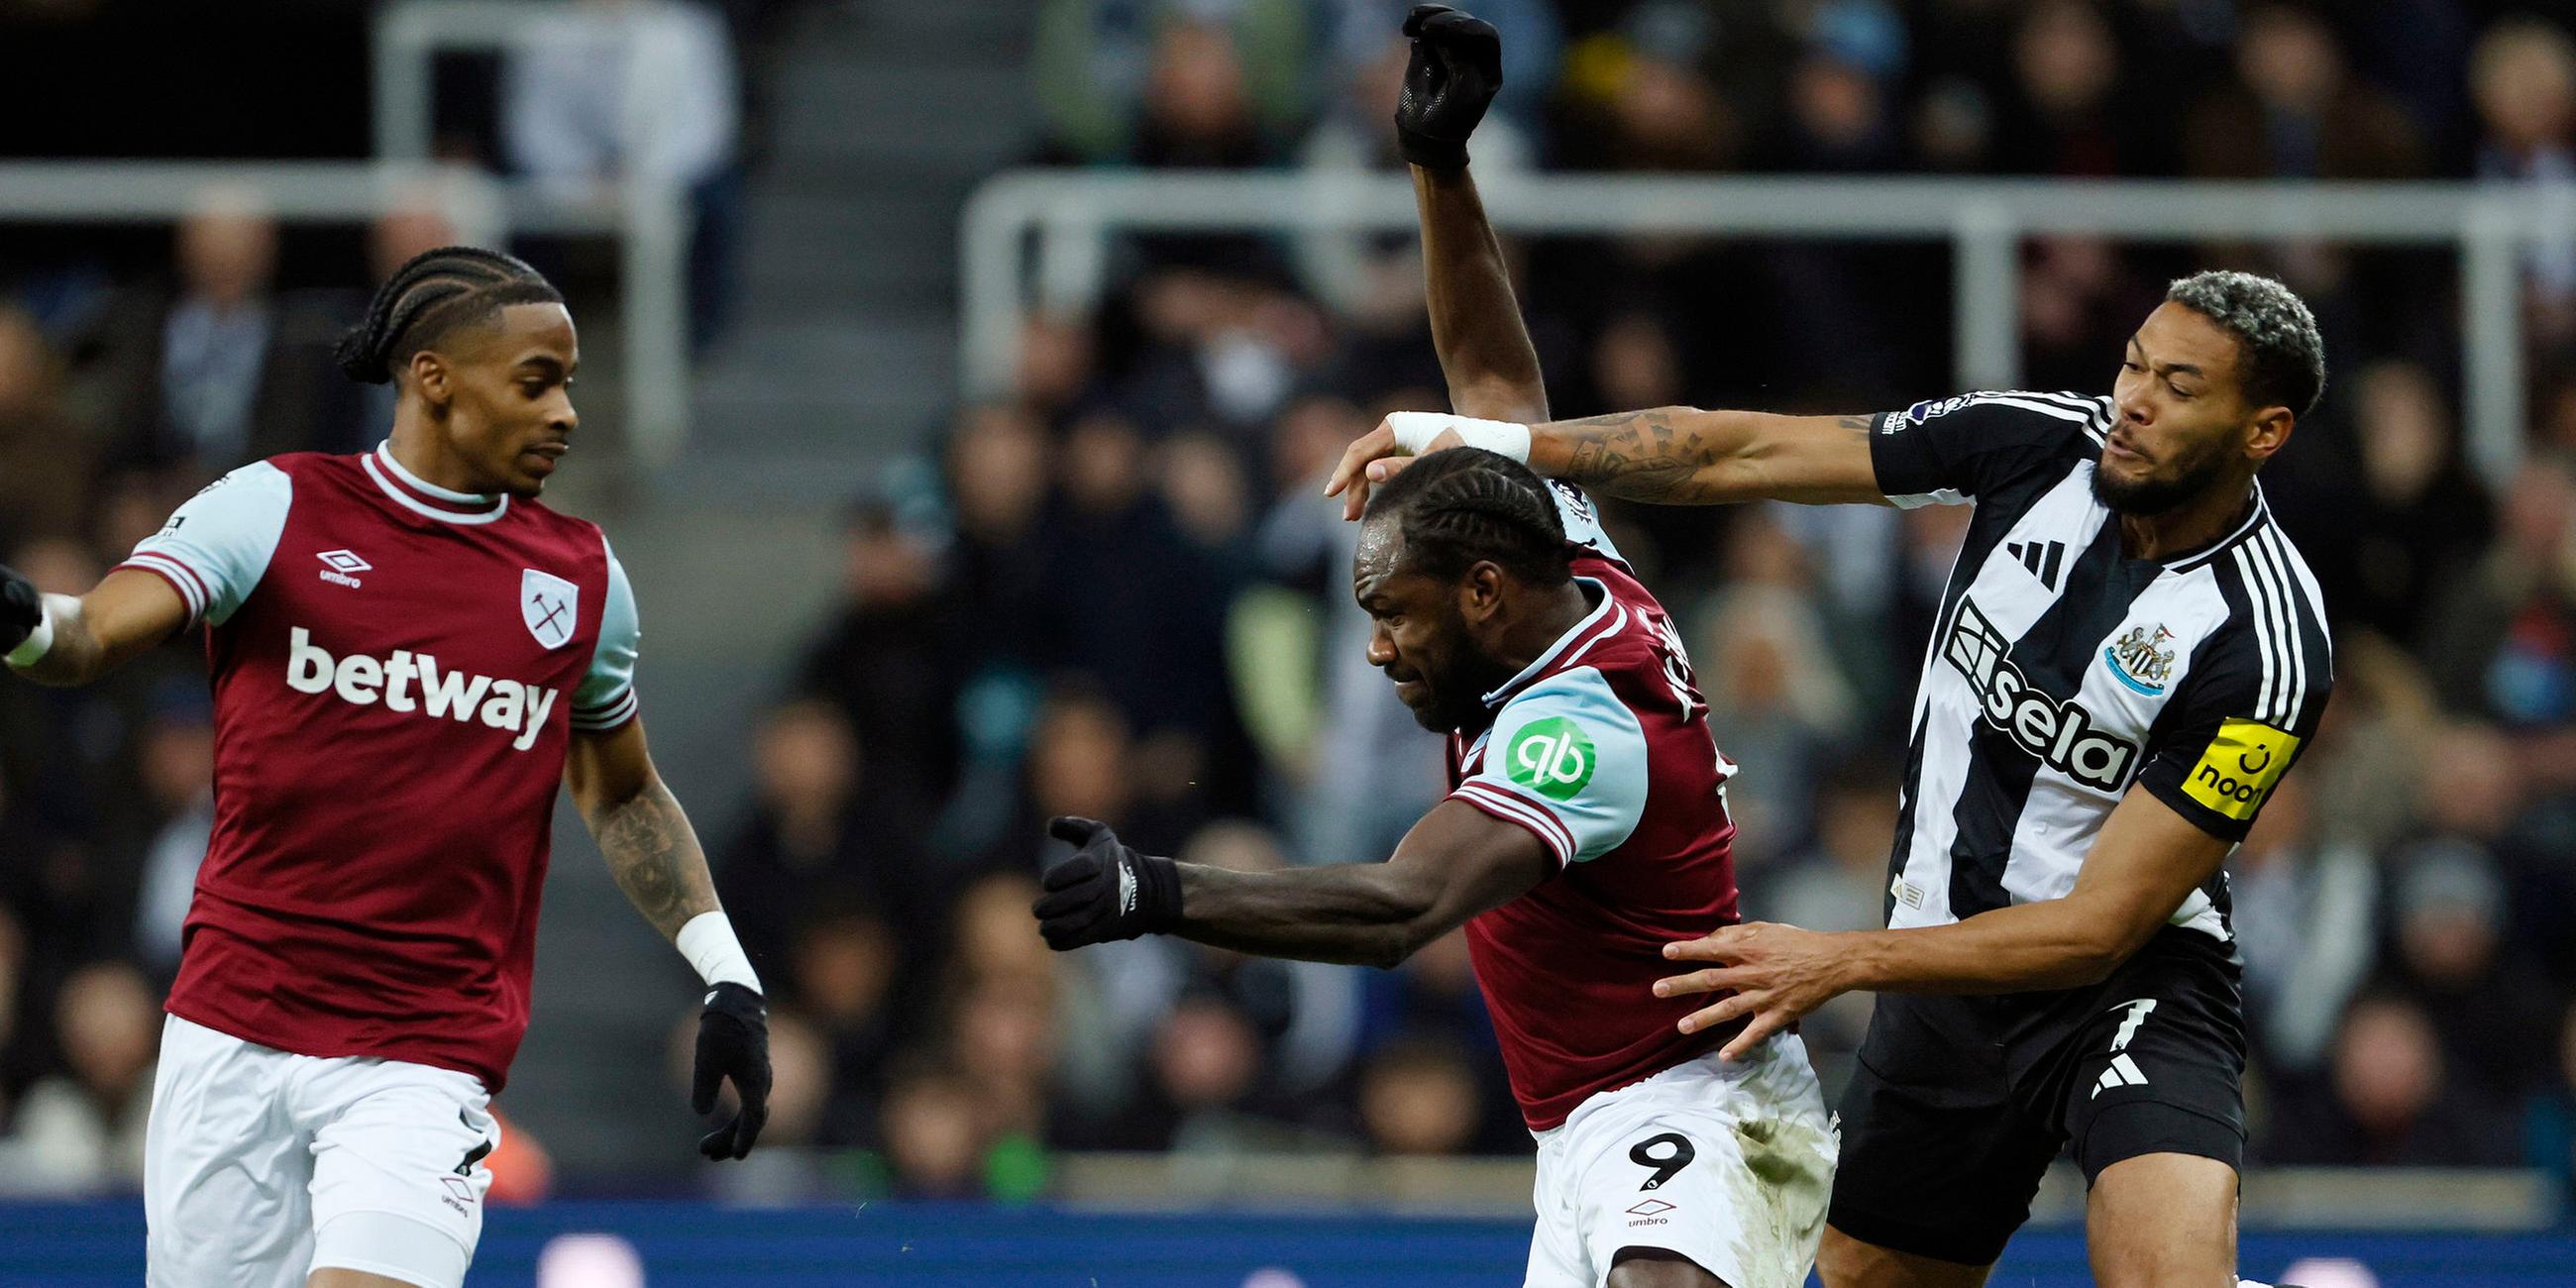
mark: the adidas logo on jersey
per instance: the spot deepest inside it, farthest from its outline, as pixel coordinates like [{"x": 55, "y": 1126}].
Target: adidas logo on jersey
[
  {"x": 364, "y": 681},
  {"x": 2061, "y": 734}
]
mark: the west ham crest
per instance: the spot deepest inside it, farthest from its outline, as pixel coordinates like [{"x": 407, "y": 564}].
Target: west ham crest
[{"x": 549, "y": 605}]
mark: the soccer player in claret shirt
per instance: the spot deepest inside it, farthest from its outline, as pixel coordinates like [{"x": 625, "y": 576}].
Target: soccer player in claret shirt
[
  {"x": 409, "y": 652},
  {"x": 1586, "y": 827},
  {"x": 2129, "y": 657}
]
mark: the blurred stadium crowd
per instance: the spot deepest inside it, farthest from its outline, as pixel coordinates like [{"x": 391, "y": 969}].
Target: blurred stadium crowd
[{"x": 1117, "y": 592}]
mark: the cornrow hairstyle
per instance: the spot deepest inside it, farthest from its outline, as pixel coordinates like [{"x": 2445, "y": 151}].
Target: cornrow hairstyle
[
  {"x": 1466, "y": 504},
  {"x": 429, "y": 298}
]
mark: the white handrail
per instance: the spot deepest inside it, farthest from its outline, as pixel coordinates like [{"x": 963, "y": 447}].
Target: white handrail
[
  {"x": 650, "y": 216},
  {"x": 1073, "y": 212}
]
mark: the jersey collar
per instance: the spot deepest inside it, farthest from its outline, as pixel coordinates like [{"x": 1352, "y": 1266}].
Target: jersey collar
[
  {"x": 421, "y": 496},
  {"x": 1604, "y": 621},
  {"x": 2255, "y": 516}
]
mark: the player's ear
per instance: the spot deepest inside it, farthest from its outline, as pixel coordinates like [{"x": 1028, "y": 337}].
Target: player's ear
[
  {"x": 2271, "y": 431},
  {"x": 1480, "y": 592},
  {"x": 430, "y": 375}
]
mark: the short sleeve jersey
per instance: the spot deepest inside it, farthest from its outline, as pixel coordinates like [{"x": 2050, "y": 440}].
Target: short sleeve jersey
[
  {"x": 2062, "y": 672},
  {"x": 1602, "y": 750},
  {"x": 397, "y": 670}
]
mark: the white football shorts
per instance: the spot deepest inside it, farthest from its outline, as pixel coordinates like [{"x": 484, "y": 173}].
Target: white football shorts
[
  {"x": 1730, "y": 1165},
  {"x": 261, "y": 1167}
]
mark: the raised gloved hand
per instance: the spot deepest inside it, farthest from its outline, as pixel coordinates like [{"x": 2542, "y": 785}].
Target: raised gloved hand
[
  {"x": 733, "y": 1042},
  {"x": 1456, "y": 69},
  {"x": 1106, "y": 891},
  {"x": 21, "y": 609}
]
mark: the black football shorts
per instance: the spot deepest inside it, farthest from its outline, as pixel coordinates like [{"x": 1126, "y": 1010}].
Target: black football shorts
[{"x": 1958, "y": 1104}]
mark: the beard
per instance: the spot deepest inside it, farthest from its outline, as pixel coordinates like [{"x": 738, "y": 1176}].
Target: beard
[
  {"x": 1455, "y": 687},
  {"x": 2150, "y": 496}
]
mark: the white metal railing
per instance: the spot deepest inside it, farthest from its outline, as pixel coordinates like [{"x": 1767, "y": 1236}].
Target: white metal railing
[
  {"x": 649, "y": 215},
  {"x": 1073, "y": 215}
]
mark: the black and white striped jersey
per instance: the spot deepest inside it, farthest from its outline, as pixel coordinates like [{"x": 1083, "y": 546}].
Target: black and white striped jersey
[{"x": 2060, "y": 673}]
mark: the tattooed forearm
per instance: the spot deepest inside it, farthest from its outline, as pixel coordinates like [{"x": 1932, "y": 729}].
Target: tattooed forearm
[
  {"x": 1686, "y": 456},
  {"x": 1642, "y": 455},
  {"x": 654, "y": 854}
]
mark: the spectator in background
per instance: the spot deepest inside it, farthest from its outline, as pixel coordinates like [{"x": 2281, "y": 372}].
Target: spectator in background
[
  {"x": 1419, "y": 1097},
  {"x": 1171, "y": 81},
  {"x": 1638, "y": 97},
  {"x": 1368, "y": 768},
  {"x": 1205, "y": 1089},
  {"x": 2393, "y": 1103},
  {"x": 2417, "y": 520},
  {"x": 998, "y": 465},
  {"x": 1169, "y": 681},
  {"x": 813, "y": 838},
  {"x": 220, "y": 370},
  {"x": 2071, "y": 114},
  {"x": 2306, "y": 908},
  {"x": 80, "y": 1133},
  {"x": 45, "y": 454},
  {"x": 889, "y": 659},
  {"x": 1776, "y": 699},
  {"x": 2522, "y": 76},
  {"x": 847, "y": 962},
  {"x": 2502, "y": 641},
  {"x": 604, "y": 92},
  {"x": 2295, "y": 111},
  {"x": 1058, "y": 357},
  {"x": 178, "y": 799},
  {"x": 1839, "y": 884},
  {"x": 2451, "y": 958},
  {"x": 934, "y": 1133}
]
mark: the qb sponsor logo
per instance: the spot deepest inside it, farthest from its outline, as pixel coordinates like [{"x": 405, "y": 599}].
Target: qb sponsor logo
[
  {"x": 2061, "y": 734},
  {"x": 1552, "y": 757},
  {"x": 2242, "y": 766},
  {"x": 364, "y": 681}
]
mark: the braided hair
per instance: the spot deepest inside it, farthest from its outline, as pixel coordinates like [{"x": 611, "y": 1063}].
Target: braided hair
[
  {"x": 1458, "y": 507},
  {"x": 429, "y": 298}
]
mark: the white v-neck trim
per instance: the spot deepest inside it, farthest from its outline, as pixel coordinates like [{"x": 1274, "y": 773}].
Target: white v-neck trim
[{"x": 1565, "y": 646}]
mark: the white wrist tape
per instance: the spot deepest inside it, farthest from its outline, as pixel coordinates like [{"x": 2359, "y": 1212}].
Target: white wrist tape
[
  {"x": 40, "y": 641},
  {"x": 1414, "y": 431},
  {"x": 708, "y": 942}
]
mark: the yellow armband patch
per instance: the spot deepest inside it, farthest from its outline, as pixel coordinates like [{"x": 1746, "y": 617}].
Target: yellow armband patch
[{"x": 2240, "y": 768}]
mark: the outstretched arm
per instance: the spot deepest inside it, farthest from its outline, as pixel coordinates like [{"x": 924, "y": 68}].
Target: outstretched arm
[
  {"x": 1457, "y": 862},
  {"x": 2146, "y": 861},
  {"x": 1450, "y": 78},
  {"x": 70, "y": 640},
  {"x": 1476, "y": 327},
  {"x": 1686, "y": 456},
  {"x": 1665, "y": 455}
]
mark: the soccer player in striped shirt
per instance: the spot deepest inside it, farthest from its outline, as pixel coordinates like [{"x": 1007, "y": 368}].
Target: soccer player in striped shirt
[{"x": 2129, "y": 656}]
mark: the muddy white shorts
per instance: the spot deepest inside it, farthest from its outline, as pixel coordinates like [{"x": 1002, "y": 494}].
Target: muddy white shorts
[
  {"x": 1729, "y": 1165},
  {"x": 261, "y": 1167}
]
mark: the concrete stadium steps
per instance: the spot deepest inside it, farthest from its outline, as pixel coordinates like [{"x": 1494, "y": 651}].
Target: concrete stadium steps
[{"x": 881, "y": 117}]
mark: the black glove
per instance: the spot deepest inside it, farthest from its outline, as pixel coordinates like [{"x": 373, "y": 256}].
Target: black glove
[
  {"x": 1456, "y": 68},
  {"x": 1106, "y": 890},
  {"x": 733, "y": 1042},
  {"x": 21, "y": 608}
]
